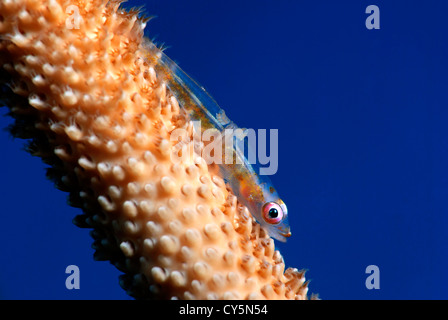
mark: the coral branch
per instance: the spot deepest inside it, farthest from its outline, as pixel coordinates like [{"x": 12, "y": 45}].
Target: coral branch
[{"x": 97, "y": 114}]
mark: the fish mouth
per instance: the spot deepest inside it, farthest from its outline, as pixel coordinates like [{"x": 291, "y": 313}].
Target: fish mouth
[
  {"x": 284, "y": 231},
  {"x": 286, "y": 234},
  {"x": 280, "y": 233}
]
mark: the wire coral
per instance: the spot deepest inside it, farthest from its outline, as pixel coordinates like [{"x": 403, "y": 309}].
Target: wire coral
[{"x": 97, "y": 113}]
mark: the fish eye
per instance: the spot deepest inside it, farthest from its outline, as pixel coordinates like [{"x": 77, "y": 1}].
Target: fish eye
[{"x": 272, "y": 213}]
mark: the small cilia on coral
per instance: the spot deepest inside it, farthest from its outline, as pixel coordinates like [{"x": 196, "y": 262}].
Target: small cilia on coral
[{"x": 253, "y": 190}]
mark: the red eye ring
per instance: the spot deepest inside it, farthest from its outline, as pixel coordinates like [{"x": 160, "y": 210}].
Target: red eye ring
[{"x": 272, "y": 213}]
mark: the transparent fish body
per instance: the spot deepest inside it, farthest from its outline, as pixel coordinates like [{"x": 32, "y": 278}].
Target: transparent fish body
[{"x": 254, "y": 191}]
